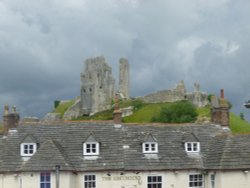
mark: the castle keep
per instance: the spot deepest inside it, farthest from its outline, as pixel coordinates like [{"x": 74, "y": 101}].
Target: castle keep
[
  {"x": 98, "y": 84},
  {"x": 98, "y": 89}
]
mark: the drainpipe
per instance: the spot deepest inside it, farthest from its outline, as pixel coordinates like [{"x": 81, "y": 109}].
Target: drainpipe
[{"x": 58, "y": 175}]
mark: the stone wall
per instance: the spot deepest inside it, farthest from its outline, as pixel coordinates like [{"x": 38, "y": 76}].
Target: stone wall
[
  {"x": 97, "y": 86},
  {"x": 179, "y": 93},
  {"x": 124, "y": 78}
]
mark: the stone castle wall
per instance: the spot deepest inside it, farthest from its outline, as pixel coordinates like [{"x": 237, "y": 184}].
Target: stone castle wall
[
  {"x": 97, "y": 86},
  {"x": 124, "y": 78},
  {"x": 177, "y": 94},
  {"x": 98, "y": 89}
]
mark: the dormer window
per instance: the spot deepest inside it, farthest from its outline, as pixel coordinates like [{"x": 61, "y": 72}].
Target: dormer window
[
  {"x": 91, "y": 146},
  {"x": 28, "y": 146},
  {"x": 150, "y": 144},
  {"x": 150, "y": 147},
  {"x": 192, "y": 146},
  {"x": 28, "y": 149}
]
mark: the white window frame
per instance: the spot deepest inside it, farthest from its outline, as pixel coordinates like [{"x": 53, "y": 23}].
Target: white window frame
[
  {"x": 192, "y": 147},
  {"x": 196, "y": 180},
  {"x": 85, "y": 148},
  {"x": 29, "y": 153},
  {"x": 89, "y": 181},
  {"x": 212, "y": 179},
  {"x": 150, "y": 147},
  {"x": 154, "y": 182},
  {"x": 46, "y": 183}
]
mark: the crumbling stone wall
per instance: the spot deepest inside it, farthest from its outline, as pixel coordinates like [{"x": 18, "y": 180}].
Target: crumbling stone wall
[
  {"x": 124, "y": 78},
  {"x": 97, "y": 86},
  {"x": 197, "y": 97}
]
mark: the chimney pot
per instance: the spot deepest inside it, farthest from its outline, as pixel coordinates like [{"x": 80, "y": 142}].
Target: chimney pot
[
  {"x": 222, "y": 93},
  {"x": 6, "y": 109},
  {"x": 117, "y": 114},
  {"x": 10, "y": 119}
]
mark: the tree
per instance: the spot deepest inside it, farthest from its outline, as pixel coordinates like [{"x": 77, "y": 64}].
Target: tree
[
  {"x": 242, "y": 116},
  {"x": 178, "y": 112}
]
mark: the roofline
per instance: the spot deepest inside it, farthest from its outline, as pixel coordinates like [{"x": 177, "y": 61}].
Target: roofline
[{"x": 127, "y": 170}]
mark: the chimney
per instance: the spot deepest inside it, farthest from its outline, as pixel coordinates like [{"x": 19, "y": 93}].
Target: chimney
[
  {"x": 10, "y": 119},
  {"x": 220, "y": 110},
  {"x": 222, "y": 93},
  {"x": 117, "y": 114}
]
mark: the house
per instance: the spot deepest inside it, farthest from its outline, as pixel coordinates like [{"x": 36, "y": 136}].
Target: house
[{"x": 116, "y": 155}]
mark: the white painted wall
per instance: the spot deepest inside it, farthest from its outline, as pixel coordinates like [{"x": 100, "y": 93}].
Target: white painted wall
[
  {"x": 32, "y": 180},
  {"x": 171, "y": 179}
]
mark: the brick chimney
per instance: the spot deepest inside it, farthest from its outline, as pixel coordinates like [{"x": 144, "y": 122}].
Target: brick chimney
[
  {"x": 10, "y": 119},
  {"x": 117, "y": 114},
  {"x": 220, "y": 110}
]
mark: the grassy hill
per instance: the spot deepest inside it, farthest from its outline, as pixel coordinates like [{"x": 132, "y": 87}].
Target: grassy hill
[
  {"x": 143, "y": 113},
  {"x": 238, "y": 125}
]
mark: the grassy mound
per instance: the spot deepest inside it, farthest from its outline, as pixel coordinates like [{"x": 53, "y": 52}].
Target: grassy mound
[
  {"x": 237, "y": 125},
  {"x": 145, "y": 113},
  {"x": 63, "y": 106}
]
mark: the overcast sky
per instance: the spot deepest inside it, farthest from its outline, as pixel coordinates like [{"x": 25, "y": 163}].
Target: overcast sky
[{"x": 44, "y": 43}]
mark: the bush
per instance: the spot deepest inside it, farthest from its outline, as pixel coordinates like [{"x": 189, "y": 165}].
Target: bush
[
  {"x": 178, "y": 112},
  {"x": 56, "y": 103}
]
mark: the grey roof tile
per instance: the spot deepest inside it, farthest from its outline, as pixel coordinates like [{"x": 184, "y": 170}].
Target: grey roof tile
[{"x": 121, "y": 148}]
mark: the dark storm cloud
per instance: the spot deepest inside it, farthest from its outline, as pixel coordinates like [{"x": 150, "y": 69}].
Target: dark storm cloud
[{"x": 43, "y": 45}]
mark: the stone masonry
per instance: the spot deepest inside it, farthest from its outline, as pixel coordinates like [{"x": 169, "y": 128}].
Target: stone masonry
[
  {"x": 197, "y": 97},
  {"x": 97, "y": 86},
  {"x": 124, "y": 78}
]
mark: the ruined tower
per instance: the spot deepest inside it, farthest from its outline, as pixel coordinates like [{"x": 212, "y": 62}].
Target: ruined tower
[
  {"x": 97, "y": 86},
  {"x": 124, "y": 78}
]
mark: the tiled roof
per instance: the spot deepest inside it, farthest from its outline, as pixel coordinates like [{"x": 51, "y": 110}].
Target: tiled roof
[{"x": 121, "y": 148}]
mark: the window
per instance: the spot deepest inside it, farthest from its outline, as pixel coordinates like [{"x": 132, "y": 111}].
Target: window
[
  {"x": 45, "y": 180},
  {"x": 195, "y": 180},
  {"x": 150, "y": 147},
  {"x": 28, "y": 149},
  {"x": 154, "y": 182},
  {"x": 91, "y": 148},
  {"x": 89, "y": 181},
  {"x": 192, "y": 146},
  {"x": 212, "y": 178}
]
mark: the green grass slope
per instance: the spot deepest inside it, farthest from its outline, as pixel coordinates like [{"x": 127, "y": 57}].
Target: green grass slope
[
  {"x": 143, "y": 113},
  {"x": 63, "y": 107},
  {"x": 237, "y": 125}
]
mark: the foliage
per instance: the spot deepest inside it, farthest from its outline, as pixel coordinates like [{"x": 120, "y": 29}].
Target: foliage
[
  {"x": 242, "y": 116},
  {"x": 204, "y": 111},
  {"x": 104, "y": 115},
  {"x": 209, "y": 97},
  {"x": 237, "y": 125},
  {"x": 177, "y": 112},
  {"x": 63, "y": 107},
  {"x": 229, "y": 104},
  {"x": 56, "y": 103}
]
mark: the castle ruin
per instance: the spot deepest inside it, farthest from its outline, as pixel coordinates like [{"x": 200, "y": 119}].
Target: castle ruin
[
  {"x": 98, "y": 89},
  {"x": 97, "y": 86},
  {"x": 179, "y": 93},
  {"x": 124, "y": 78}
]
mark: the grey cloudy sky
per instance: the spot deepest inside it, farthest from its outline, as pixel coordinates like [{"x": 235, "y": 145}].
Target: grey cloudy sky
[{"x": 43, "y": 44}]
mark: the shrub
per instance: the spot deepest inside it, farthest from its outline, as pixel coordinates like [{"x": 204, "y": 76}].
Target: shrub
[
  {"x": 178, "y": 112},
  {"x": 56, "y": 103}
]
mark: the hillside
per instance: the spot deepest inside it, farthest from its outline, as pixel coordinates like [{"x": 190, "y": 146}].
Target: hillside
[{"x": 145, "y": 112}]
